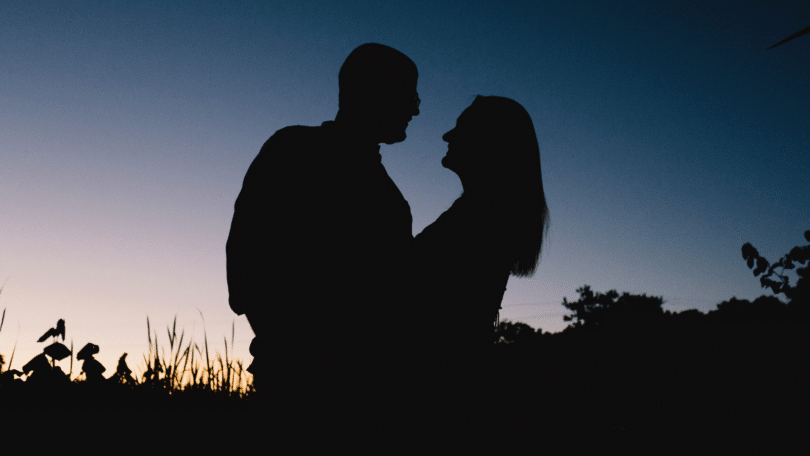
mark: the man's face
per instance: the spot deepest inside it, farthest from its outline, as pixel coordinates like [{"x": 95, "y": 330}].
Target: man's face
[{"x": 393, "y": 113}]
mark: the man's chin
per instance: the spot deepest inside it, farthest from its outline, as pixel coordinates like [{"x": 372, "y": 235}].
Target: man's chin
[
  {"x": 394, "y": 138},
  {"x": 447, "y": 163}
]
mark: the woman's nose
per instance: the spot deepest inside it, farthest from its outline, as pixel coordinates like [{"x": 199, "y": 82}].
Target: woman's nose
[{"x": 446, "y": 136}]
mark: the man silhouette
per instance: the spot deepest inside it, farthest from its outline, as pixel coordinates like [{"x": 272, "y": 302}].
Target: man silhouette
[{"x": 316, "y": 252}]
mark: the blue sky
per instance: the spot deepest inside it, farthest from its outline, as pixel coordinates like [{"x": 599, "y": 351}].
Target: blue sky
[{"x": 669, "y": 137}]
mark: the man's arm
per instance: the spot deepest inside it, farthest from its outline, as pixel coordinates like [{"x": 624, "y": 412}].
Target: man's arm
[
  {"x": 264, "y": 241},
  {"x": 246, "y": 261}
]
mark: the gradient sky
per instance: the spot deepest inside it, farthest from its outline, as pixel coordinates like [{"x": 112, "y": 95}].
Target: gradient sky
[{"x": 669, "y": 137}]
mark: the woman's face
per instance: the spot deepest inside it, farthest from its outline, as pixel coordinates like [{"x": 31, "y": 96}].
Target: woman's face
[{"x": 466, "y": 144}]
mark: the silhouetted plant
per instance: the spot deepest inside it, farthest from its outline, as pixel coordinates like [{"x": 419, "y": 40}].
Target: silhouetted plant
[
  {"x": 3, "y": 319},
  {"x": 57, "y": 351},
  {"x": 801, "y": 32},
  {"x": 91, "y": 368},
  {"x": 764, "y": 310},
  {"x": 800, "y": 255},
  {"x": 207, "y": 391},
  {"x": 2, "y": 360},
  {"x": 596, "y": 311},
  {"x": 38, "y": 370},
  {"x": 58, "y": 330},
  {"x": 508, "y": 332},
  {"x": 123, "y": 374},
  {"x": 10, "y": 376},
  {"x": 178, "y": 363},
  {"x": 41, "y": 370},
  {"x": 686, "y": 317}
]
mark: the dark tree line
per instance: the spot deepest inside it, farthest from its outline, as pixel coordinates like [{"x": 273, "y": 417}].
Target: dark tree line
[{"x": 614, "y": 313}]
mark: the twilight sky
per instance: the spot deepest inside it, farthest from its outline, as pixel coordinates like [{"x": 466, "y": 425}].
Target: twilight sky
[{"x": 668, "y": 135}]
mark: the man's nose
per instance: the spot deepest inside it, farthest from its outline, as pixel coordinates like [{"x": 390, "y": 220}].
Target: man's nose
[{"x": 446, "y": 136}]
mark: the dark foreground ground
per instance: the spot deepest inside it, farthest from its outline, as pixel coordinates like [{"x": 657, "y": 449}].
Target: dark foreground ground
[
  {"x": 689, "y": 387},
  {"x": 718, "y": 383}
]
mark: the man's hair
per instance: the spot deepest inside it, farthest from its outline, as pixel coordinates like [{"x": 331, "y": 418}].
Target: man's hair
[{"x": 372, "y": 70}]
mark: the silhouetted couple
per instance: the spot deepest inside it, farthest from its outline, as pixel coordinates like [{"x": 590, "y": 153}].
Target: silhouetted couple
[{"x": 360, "y": 327}]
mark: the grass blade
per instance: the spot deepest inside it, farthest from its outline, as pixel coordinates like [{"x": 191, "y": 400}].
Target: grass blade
[
  {"x": 176, "y": 355},
  {"x": 228, "y": 365},
  {"x": 207, "y": 359},
  {"x": 15, "y": 348},
  {"x": 221, "y": 375},
  {"x": 194, "y": 368},
  {"x": 172, "y": 335},
  {"x": 149, "y": 335},
  {"x": 185, "y": 356}
]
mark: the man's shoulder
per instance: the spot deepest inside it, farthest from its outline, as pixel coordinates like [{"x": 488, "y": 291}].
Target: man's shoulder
[
  {"x": 295, "y": 136},
  {"x": 289, "y": 146}
]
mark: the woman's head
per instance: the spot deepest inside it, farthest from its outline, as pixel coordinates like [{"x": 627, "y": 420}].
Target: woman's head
[{"x": 493, "y": 149}]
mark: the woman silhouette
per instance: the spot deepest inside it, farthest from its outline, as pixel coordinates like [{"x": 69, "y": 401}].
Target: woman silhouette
[{"x": 493, "y": 230}]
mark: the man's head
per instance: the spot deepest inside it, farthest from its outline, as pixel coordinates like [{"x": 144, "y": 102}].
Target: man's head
[{"x": 378, "y": 91}]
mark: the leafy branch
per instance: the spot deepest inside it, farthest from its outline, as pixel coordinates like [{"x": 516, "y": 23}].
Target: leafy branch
[{"x": 761, "y": 266}]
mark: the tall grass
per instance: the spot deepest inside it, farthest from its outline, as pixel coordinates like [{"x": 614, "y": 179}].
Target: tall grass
[{"x": 180, "y": 374}]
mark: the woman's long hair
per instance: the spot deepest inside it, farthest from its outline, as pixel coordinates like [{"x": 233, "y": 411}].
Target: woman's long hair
[{"x": 518, "y": 179}]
